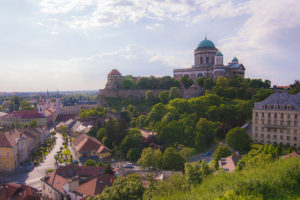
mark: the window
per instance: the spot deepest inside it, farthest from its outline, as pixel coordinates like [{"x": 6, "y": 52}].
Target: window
[
  {"x": 262, "y": 114},
  {"x": 262, "y": 129},
  {"x": 7, "y": 154},
  {"x": 295, "y": 132},
  {"x": 288, "y": 131},
  {"x": 263, "y": 121},
  {"x": 0, "y": 153},
  {"x": 281, "y": 130},
  {"x": 201, "y": 60},
  {"x": 281, "y": 116},
  {"x": 275, "y": 115},
  {"x": 256, "y": 135},
  {"x": 274, "y": 136},
  {"x": 269, "y": 115},
  {"x": 268, "y": 136},
  {"x": 288, "y": 116},
  {"x": 256, "y": 128},
  {"x": 295, "y": 138},
  {"x": 296, "y": 116},
  {"x": 288, "y": 123},
  {"x": 262, "y": 136},
  {"x": 207, "y": 60},
  {"x": 295, "y": 123},
  {"x": 281, "y": 137},
  {"x": 288, "y": 137},
  {"x": 256, "y": 114}
]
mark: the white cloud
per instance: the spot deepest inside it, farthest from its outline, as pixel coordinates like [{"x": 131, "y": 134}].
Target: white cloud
[
  {"x": 256, "y": 41},
  {"x": 95, "y": 13},
  {"x": 152, "y": 27}
]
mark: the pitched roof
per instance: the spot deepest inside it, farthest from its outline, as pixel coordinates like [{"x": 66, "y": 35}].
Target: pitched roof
[
  {"x": 229, "y": 163},
  {"x": 96, "y": 185},
  {"x": 18, "y": 191},
  {"x": 114, "y": 72},
  {"x": 281, "y": 98},
  {"x": 25, "y": 114},
  {"x": 88, "y": 143},
  {"x": 291, "y": 155},
  {"x": 7, "y": 140}
]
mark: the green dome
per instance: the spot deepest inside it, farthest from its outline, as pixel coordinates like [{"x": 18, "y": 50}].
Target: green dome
[
  {"x": 219, "y": 53},
  {"x": 235, "y": 59},
  {"x": 206, "y": 44}
]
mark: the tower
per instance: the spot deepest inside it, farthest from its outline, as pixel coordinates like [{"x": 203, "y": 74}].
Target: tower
[
  {"x": 113, "y": 79},
  {"x": 219, "y": 68},
  {"x": 41, "y": 106},
  {"x": 219, "y": 58},
  {"x": 48, "y": 100},
  {"x": 57, "y": 102}
]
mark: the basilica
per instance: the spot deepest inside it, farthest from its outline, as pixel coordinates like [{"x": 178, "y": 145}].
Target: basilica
[{"x": 208, "y": 62}]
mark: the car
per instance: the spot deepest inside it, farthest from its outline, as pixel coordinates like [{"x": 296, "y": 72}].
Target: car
[
  {"x": 128, "y": 165},
  {"x": 207, "y": 153}
]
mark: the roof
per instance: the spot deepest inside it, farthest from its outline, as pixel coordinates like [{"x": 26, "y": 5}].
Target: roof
[
  {"x": 229, "y": 163},
  {"x": 235, "y": 65},
  {"x": 280, "y": 98},
  {"x": 63, "y": 175},
  {"x": 219, "y": 53},
  {"x": 114, "y": 72},
  {"x": 7, "y": 139},
  {"x": 206, "y": 44},
  {"x": 25, "y": 114},
  {"x": 3, "y": 114},
  {"x": 85, "y": 143},
  {"x": 96, "y": 185},
  {"x": 235, "y": 59},
  {"x": 291, "y": 155},
  {"x": 18, "y": 191}
]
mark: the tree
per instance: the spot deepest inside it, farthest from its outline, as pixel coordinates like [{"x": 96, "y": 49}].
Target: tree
[
  {"x": 187, "y": 82},
  {"x": 90, "y": 162},
  {"x": 238, "y": 139},
  {"x": 33, "y": 124},
  {"x": 262, "y": 94},
  {"x": 150, "y": 158},
  {"x": 209, "y": 83},
  {"x": 150, "y": 97},
  {"x": 164, "y": 97},
  {"x": 221, "y": 152},
  {"x": 25, "y": 105},
  {"x": 141, "y": 121},
  {"x": 200, "y": 81},
  {"x": 207, "y": 129},
  {"x": 196, "y": 171},
  {"x": 133, "y": 139},
  {"x": 172, "y": 160},
  {"x": 125, "y": 188},
  {"x": 174, "y": 93},
  {"x": 133, "y": 154},
  {"x": 107, "y": 169}
]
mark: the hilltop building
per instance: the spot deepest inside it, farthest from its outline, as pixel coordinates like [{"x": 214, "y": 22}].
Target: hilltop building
[
  {"x": 276, "y": 120},
  {"x": 208, "y": 62}
]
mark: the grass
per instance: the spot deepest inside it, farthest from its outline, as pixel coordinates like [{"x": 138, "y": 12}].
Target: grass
[{"x": 277, "y": 180}]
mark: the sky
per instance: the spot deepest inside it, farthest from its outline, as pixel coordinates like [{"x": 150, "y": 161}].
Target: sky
[{"x": 74, "y": 44}]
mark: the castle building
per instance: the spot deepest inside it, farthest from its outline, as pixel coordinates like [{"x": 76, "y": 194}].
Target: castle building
[
  {"x": 276, "y": 120},
  {"x": 208, "y": 62}
]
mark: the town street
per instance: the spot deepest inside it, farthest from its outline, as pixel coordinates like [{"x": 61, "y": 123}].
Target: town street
[{"x": 33, "y": 177}]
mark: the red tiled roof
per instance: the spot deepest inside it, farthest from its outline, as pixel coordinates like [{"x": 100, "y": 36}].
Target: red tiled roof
[
  {"x": 96, "y": 185},
  {"x": 18, "y": 191},
  {"x": 88, "y": 143},
  {"x": 114, "y": 72},
  {"x": 25, "y": 114},
  {"x": 56, "y": 181},
  {"x": 229, "y": 163},
  {"x": 291, "y": 155}
]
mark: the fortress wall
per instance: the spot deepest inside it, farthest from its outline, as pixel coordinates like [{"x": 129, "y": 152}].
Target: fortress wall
[{"x": 140, "y": 93}]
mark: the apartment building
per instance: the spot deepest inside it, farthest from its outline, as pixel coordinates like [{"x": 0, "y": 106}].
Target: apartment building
[{"x": 276, "y": 120}]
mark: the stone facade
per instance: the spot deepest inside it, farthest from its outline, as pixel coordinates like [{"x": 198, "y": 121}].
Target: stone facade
[
  {"x": 277, "y": 120},
  {"x": 208, "y": 62}
]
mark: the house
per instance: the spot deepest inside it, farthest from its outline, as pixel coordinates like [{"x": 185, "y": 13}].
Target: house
[
  {"x": 13, "y": 191},
  {"x": 229, "y": 163},
  {"x": 86, "y": 147},
  {"x": 291, "y": 155},
  {"x": 74, "y": 182},
  {"x": 17, "y": 145}
]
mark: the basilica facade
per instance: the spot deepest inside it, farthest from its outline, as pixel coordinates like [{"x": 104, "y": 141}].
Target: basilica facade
[{"x": 208, "y": 62}]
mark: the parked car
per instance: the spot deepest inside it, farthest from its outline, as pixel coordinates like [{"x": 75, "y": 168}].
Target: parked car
[
  {"x": 207, "y": 153},
  {"x": 128, "y": 165}
]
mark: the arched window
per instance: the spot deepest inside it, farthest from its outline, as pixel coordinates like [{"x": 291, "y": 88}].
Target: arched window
[{"x": 199, "y": 75}]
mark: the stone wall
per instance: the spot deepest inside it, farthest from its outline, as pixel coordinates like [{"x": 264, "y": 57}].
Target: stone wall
[{"x": 140, "y": 93}]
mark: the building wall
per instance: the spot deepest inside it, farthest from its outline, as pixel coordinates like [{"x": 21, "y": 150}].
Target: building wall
[
  {"x": 7, "y": 159},
  {"x": 10, "y": 121},
  {"x": 276, "y": 126},
  {"x": 49, "y": 193}
]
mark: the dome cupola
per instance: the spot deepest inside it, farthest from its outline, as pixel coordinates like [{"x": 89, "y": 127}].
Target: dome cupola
[{"x": 206, "y": 44}]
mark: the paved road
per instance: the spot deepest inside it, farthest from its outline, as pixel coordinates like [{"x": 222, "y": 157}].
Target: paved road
[
  {"x": 33, "y": 177},
  {"x": 201, "y": 156}
]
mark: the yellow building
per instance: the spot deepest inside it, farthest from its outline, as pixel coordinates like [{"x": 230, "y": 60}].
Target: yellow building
[{"x": 8, "y": 152}]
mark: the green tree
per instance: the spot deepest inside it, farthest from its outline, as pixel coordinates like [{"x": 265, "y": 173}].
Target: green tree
[
  {"x": 33, "y": 124},
  {"x": 150, "y": 158},
  {"x": 238, "y": 139},
  {"x": 150, "y": 97},
  {"x": 90, "y": 162},
  {"x": 222, "y": 152},
  {"x": 25, "y": 105},
  {"x": 108, "y": 169},
  {"x": 164, "y": 97},
  {"x": 207, "y": 129},
  {"x": 141, "y": 121},
  {"x": 174, "y": 93},
  {"x": 200, "y": 81},
  {"x": 132, "y": 140},
  {"x": 133, "y": 154},
  {"x": 172, "y": 160},
  {"x": 187, "y": 82}
]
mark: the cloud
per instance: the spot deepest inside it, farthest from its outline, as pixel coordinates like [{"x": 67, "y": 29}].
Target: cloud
[
  {"x": 153, "y": 27},
  {"x": 258, "y": 42},
  {"x": 96, "y": 13}
]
